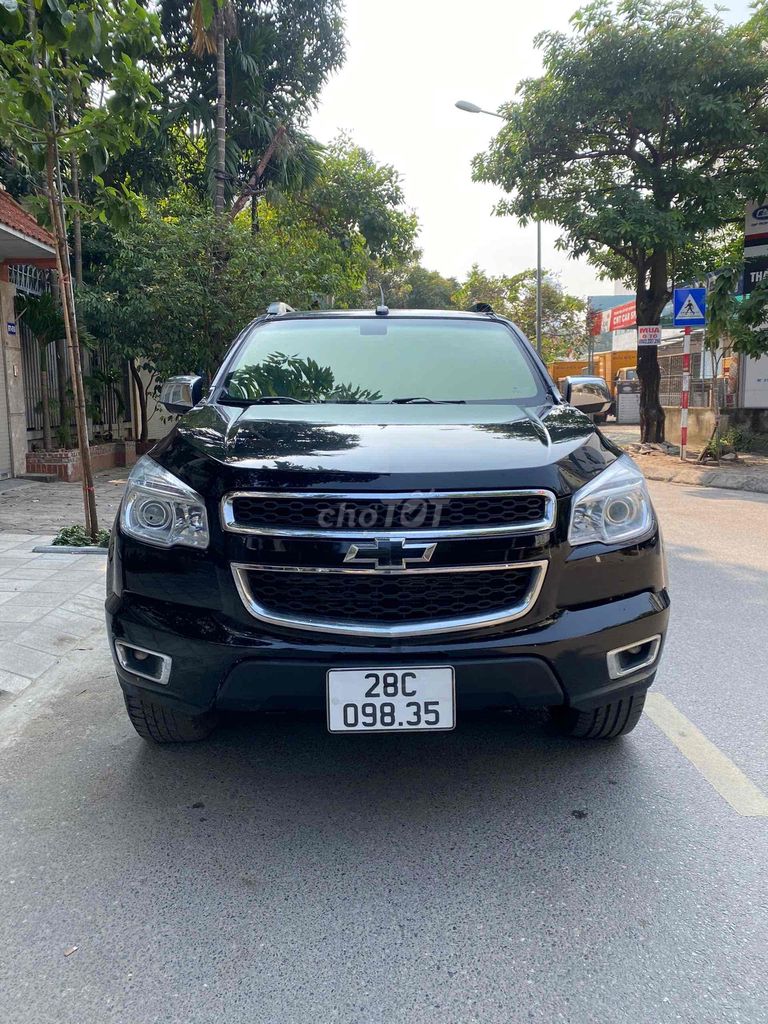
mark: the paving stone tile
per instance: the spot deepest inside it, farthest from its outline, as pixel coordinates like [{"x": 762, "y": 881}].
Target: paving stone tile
[
  {"x": 57, "y": 584},
  {"x": 10, "y": 612},
  {"x": 93, "y": 607},
  {"x": 58, "y": 561},
  {"x": 10, "y": 584},
  {"x": 12, "y": 683},
  {"x": 14, "y": 538},
  {"x": 49, "y": 639},
  {"x": 24, "y": 661},
  {"x": 29, "y": 573},
  {"x": 29, "y": 606},
  {"x": 74, "y": 624},
  {"x": 10, "y": 630},
  {"x": 11, "y": 563}
]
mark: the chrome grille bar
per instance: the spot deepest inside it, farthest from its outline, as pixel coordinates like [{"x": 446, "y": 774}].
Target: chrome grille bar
[
  {"x": 318, "y": 624},
  {"x": 542, "y": 524}
]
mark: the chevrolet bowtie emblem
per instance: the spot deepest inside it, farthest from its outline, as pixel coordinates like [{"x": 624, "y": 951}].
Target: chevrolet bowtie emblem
[{"x": 389, "y": 554}]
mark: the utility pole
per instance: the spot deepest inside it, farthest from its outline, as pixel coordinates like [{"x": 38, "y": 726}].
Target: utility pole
[
  {"x": 538, "y": 288},
  {"x": 473, "y": 108}
]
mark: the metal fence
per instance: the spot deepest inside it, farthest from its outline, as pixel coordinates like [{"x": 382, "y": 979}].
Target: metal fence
[
  {"x": 671, "y": 385},
  {"x": 109, "y": 387},
  {"x": 30, "y": 280},
  {"x": 108, "y": 382},
  {"x": 33, "y": 389}
]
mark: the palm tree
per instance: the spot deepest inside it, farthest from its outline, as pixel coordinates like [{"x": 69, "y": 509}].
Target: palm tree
[{"x": 213, "y": 22}]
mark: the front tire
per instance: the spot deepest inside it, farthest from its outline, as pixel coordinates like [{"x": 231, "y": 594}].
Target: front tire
[
  {"x": 159, "y": 723},
  {"x": 606, "y": 722}
]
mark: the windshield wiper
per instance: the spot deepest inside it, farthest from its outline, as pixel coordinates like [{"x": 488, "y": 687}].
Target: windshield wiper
[
  {"x": 263, "y": 400},
  {"x": 428, "y": 401}
]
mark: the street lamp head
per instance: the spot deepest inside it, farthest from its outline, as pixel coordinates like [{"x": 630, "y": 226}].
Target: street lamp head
[{"x": 471, "y": 108}]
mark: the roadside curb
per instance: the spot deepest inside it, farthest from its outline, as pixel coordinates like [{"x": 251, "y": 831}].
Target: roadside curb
[
  {"x": 68, "y": 549},
  {"x": 727, "y": 479}
]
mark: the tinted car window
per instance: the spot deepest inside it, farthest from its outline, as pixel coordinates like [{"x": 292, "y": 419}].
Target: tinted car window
[{"x": 380, "y": 360}]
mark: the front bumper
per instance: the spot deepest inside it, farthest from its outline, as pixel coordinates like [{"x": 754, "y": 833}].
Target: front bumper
[{"x": 561, "y": 661}]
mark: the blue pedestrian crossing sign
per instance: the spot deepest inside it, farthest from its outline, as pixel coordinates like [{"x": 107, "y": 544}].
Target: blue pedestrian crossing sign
[{"x": 690, "y": 306}]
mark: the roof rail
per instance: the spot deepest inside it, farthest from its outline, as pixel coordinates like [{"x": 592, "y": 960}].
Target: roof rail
[{"x": 279, "y": 309}]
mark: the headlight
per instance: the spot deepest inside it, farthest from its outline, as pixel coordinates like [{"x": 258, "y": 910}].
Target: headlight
[
  {"x": 159, "y": 509},
  {"x": 614, "y": 506}
]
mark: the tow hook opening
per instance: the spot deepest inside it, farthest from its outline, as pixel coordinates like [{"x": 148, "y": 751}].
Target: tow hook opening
[
  {"x": 623, "y": 661},
  {"x": 142, "y": 662}
]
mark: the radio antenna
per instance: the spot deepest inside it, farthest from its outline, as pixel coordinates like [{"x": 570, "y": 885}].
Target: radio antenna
[{"x": 383, "y": 309}]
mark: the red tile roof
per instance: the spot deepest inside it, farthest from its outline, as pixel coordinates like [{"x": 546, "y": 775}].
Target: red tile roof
[{"x": 13, "y": 216}]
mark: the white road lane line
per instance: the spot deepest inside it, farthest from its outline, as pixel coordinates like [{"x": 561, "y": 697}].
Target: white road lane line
[{"x": 719, "y": 771}]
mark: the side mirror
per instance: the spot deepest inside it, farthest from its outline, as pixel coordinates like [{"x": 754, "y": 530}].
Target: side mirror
[
  {"x": 180, "y": 394},
  {"x": 590, "y": 397}
]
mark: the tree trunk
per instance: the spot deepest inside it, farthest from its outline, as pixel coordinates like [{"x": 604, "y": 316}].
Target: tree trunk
[
  {"x": 254, "y": 214},
  {"x": 221, "y": 119},
  {"x": 77, "y": 231},
  {"x": 257, "y": 174},
  {"x": 651, "y": 412},
  {"x": 650, "y": 300},
  {"x": 55, "y": 200},
  {"x": 74, "y": 171},
  {"x": 141, "y": 394}
]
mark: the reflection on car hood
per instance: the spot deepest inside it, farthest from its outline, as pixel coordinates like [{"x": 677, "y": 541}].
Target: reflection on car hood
[{"x": 391, "y": 446}]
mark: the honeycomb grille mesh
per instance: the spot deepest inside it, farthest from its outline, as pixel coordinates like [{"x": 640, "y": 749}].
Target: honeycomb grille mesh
[{"x": 371, "y": 514}]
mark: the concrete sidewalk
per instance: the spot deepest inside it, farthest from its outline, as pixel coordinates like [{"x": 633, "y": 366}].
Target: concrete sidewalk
[
  {"x": 49, "y": 605},
  {"x": 29, "y": 507},
  {"x": 747, "y": 473}
]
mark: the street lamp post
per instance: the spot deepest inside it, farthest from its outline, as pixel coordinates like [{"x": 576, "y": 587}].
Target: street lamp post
[{"x": 473, "y": 108}]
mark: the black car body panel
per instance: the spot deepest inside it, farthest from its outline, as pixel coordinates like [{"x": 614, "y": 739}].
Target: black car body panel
[{"x": 185, "y": 602}]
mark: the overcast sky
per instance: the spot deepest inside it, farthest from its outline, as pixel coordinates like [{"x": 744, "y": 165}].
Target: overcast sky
[{"x": 408, "y": 61}]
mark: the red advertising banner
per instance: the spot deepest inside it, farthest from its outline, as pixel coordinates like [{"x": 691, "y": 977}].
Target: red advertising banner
[{"x": 616, "y": 319}]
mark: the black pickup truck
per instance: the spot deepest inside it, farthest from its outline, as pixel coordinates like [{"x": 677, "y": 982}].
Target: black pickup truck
[{"x": 392, "y": 517}]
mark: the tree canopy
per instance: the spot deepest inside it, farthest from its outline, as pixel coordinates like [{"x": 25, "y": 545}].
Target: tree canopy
[
  {"x": 647, "y": 131},
  {"x": 278, "y": 55},
  {"x": 563, "y": 316}
]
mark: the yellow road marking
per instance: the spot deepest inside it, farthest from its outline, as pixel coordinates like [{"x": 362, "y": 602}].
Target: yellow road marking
[{"x": 719, "y": 771}]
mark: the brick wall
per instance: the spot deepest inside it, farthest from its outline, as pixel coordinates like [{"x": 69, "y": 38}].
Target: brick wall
[{"x": 64, "y": 463}]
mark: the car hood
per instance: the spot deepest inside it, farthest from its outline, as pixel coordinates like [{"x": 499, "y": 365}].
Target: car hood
[{"x": 387, "y": 447}]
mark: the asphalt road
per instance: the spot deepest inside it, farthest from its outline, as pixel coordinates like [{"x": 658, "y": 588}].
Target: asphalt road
[{"x": 496, "y": 874}]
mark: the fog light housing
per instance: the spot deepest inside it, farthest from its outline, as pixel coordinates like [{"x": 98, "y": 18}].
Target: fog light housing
[
  {"x": 141, "y": 662},
  {"x": 624, "y": 661}
]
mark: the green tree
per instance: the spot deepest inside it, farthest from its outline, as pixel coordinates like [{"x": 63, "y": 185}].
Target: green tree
[
  {"x": 354, "y": 196},
  {"x": 157, "y": 296},
  {"x": 355, "y": 201},
  {"x": 48, "y": 61},
  {"x": 563, "y": 316},
  {"x": 734, "y": 321},
  {"x": 646, "y": 132},
  {"x": 427, "y": 289}
]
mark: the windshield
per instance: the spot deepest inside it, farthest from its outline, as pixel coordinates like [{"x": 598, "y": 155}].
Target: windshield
[{"x": 383, "y": 360}]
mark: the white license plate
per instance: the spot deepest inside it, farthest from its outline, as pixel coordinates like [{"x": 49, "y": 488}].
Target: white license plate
[{"x": 391, "y": 700}]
